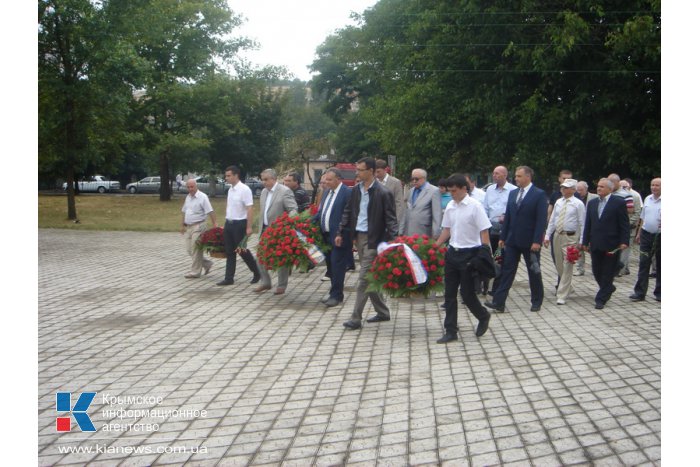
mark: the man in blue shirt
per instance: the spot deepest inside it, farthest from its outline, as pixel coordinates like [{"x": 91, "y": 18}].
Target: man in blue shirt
[{"x": 369, "y": 218}]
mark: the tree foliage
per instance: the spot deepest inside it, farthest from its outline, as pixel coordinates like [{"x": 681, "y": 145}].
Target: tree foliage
[{"x": 471, "y": 84}]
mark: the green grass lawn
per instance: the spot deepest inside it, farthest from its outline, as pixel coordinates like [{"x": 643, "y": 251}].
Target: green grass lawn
[{"x": 143, "y": 213}]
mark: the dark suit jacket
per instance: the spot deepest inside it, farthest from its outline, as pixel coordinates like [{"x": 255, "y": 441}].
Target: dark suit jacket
[
  {"x": 525, "y": 224},
  {"x": 610, "y": 230},
  {"x": 335, "y": 216}
]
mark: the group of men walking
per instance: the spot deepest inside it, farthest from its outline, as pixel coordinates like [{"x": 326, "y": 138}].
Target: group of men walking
[{"x": 517, "y": 219}]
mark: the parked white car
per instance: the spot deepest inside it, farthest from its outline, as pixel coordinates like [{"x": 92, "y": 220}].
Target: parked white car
[
  {"x": 203, "y": 185},
  {"x": 145, "y": 185},
  {"x": 97, "y": 183}
]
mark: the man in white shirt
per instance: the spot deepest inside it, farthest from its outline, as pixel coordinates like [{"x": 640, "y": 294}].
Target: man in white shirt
[
  {"x": 564, "y": 229},
  {"x": 649, "y": 239},
  {"x": 239, "y": 224},
  {"x": 194, "y": 221},
  {"x": 495, "y": 202},
  {"x": 474, "y": 191},
  {"x": 466, "y": 226},
  {"x": 634, "y": 221}
]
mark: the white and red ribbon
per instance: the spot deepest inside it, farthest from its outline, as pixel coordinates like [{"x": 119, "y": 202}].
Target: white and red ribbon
[{"x": 420, "y": 275}]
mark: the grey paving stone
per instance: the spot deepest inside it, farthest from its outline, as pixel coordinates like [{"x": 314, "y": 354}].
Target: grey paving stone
[{"x": 284, "y": 384}]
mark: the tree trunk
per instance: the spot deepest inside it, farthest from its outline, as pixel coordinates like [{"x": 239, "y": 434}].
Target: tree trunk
[
  {"x": 72, "y": 214},
  {"x": 165, "y": 188}
]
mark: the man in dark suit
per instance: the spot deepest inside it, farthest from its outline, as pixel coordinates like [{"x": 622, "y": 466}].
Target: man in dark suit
[
  {"x": 329, "y": 215},
  {"x": 522, "y": 233},
  {"x": 606, "y": 233}
]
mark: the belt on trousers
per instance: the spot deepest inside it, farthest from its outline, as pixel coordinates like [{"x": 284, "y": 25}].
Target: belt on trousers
[
  {"x": 194, "y": 223},
  {"x": 567, "y": 232},
  {"x": 231, "y": 221},
  {"x": 459, "y": 250}
]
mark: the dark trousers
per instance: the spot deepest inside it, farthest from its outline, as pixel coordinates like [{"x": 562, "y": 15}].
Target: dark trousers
[
  {"x": 511, "y": 259},
  {"x": 234, "y": 232},
  {"x": 336, "y": 263},
  {"x": 604, "y": 268},
  {"x": 457, "y": 276},
  {"x": 650, "y": 247}
]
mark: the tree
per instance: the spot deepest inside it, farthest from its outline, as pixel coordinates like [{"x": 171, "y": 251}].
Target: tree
[
  {"x": 86, "y": 75},
  {"x": 183, "y": 42},
  {"x": 467, "y": 85}
]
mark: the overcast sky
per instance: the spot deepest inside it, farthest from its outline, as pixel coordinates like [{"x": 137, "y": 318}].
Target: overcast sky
[{"x": 289, "y": 31}]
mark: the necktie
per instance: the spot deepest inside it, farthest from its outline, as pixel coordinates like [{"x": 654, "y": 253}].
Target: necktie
[
  {"x": 416, "y": 192},
  {"x": 601, "y": 206},
  {"x": 520, "y": 197},
  {"x": 324, "y": 216},
  {"x": 560, "y": 219}
]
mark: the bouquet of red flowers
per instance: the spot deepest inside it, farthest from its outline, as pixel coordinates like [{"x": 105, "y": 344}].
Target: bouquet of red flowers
[
  {"x": 291, "y": 241},
  {"x": 572, "y": 254},
  {"x": 408, "y": 266},
  {"x": 211, "y": 241}
]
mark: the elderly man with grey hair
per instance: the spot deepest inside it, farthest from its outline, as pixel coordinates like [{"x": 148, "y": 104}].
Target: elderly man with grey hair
[
  {"x": 275, "y": 199},
  {"x": 423, "y": 214},
  {"x": 606, "y": 232},
  {"x": 585, "y": 196}
]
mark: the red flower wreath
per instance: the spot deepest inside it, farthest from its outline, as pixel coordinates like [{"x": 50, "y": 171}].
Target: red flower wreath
[
  {"x": 291, "y": 241},
  {"x": 390, "y": 271}
]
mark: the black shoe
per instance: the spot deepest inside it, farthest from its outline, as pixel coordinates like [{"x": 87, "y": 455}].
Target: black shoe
[
  {"x": 635, "y": 297},
  {"x": 653, "y": 274},
  {"x": 499, "y": 308},
  {"x": 447, "y": 338},
  {"x": 535, "y": 308},
  {"x": 332, "y": 302},
  {"x": 444, "y": 305},
  {"x": 378, "y": 318},
  {"x": 225, "y": 282},
  {"x": 255, "y": 280},
  {"x": 352, "y": 325},
  {"x": 599, "y": 305},
  {"x": 657, "y": 298},
  {"x": 483, "y": 326}
]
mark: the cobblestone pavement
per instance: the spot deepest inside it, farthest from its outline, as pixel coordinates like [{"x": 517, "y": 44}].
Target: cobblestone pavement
[{"x": 282, "y": 382}]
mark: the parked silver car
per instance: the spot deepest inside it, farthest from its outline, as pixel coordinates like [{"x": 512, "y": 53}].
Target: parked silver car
[
  {"x": 203, "y": 185},
  {"x": 145, "y": 185}
]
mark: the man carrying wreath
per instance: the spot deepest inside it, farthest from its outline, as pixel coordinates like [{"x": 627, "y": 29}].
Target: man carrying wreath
[
  {"x": 466, "y": 225},
  {"x": 194, "y": 221}
]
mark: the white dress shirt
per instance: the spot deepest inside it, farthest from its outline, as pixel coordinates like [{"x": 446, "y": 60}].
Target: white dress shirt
[
  {"x": 268, "y": 202},
  {"x": 651, "y": 214},
  {"x": 327, "y": 207},
  {"x": 465, "y": 220},
  {"x": 196, "y": 208},
  {"x": 238, "y": 199}
]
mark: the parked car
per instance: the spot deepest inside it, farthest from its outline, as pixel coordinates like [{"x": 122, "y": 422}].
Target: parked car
[
  {"x": 145, "y": 185},
  {"x": 96, "y": 183},
  {"x": 203, "y": 185},
  {"x": 255, "y": 185}
]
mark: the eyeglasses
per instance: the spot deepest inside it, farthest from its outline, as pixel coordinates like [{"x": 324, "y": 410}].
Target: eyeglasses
[{"x": 414, "y": 179}]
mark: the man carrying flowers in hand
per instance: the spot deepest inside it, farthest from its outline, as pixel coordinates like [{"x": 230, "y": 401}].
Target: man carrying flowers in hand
[
  {"x": 466, "y": 225},
  {"x": 194, "y": 221}
]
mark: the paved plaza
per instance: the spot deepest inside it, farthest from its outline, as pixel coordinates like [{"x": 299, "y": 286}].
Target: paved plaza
[{"x": 190, "y": 373}]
